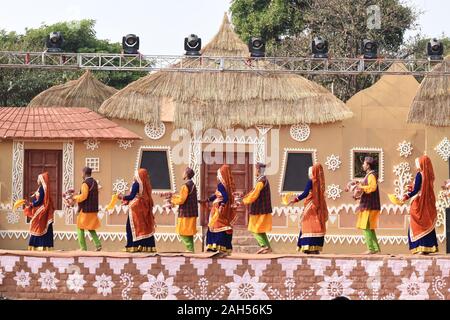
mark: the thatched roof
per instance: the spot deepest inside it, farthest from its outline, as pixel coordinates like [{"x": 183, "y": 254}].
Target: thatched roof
[
  {"x": 225, "y": 99},
  {"x": 431, "y": 105},
  {"x": 85, "y": 92}
]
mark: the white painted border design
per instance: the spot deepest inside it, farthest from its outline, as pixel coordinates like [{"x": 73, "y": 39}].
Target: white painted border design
[
  {"x": 68, "y": 177},
  {"x": 17, "y": 171}
]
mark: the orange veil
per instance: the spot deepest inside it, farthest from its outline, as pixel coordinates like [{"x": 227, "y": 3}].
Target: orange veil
[
  {"x": 42, "y": 216},
  {"x": 141, "y": 216},
  {"x": 228, "y": 215},
  {"x": 316, "y": 210},
  {"x": 423, "y": 208}
]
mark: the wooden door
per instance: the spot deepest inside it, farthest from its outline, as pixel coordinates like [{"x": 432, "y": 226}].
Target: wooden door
[
  {"x": 242, "y": 171},
  {"x": 37, "y": 162}
]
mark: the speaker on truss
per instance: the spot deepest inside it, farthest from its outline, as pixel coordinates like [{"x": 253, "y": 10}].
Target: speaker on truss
[
  {"x": 54, "y": 42},
  {"x": 130, "y": 44}
]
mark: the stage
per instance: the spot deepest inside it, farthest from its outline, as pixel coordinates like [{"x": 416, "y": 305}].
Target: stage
[{"x": 122, "y": 276}]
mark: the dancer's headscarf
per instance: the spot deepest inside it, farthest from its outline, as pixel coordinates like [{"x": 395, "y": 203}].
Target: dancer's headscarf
[
  {"x": 318, "y": 192},
  {"x": 42, "y": 216},
  {"x": 225, "y": 177}
]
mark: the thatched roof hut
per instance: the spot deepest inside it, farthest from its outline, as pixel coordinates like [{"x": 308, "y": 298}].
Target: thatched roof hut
[
  {"x": 225, "y": 99},
  {"x": 85, "y": 92},
  {"x": 431, "y": 106}
]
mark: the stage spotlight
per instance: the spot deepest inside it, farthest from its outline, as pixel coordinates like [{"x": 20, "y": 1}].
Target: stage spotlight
[
  {"x": 369, "y": 49},
  {"x": 192, "y": 45},
  {"x": 319, "y": 47},
  {"x": 257, "y": 47},
  {"x": 55, "y": 41},
  {"x": 435, "y": 49},
  {"x": 130, "y": 44}
]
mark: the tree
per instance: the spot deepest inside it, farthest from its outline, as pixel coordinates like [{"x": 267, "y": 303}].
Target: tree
[
  {"x": 344, "y": 23},
  {"x": 19, "y": 86}
]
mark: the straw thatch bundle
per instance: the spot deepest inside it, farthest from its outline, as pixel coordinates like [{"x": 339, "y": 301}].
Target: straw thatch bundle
[
  {"x": 226, "y": 99},
  {"x": 85, "y": 92},
  {"x": 431, "y": 105}
]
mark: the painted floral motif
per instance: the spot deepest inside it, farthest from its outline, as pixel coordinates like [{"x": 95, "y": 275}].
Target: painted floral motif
[
  {"x": 443, "y": 149},
  {"x": 246, "y": 288},
  {"x": 155, "y": 131},
  {"x": 125, "y": 144},
  {"x": 104, "y": 284},
  {"x": 92, "y": 144},
  {"x": 404, "y": 177},
  {"x": 334, "y": 191},
  {"x": 442, "y": 203},
  {"x": 334, "y": 286},
  {"x": 159, "y": 288},
  {"x": 12, "y": 217},
  {"x": 127, "y": 281},
  {"x": 1, "y": 276},
  {"x": 120, "y": 186},
  {"x": 333, "y": 162},
  {"x": 405, "y": 148},
  {"x": 300, "y": 132},
  {"x": 202, "y": 293},
  {"x": 48, "y": 280},
  {"x": 76, "y": 282},
  {"x": 289, "y": 294},
  {"x": 22, "y": 279},
  {"x": 414, "y": 288}
]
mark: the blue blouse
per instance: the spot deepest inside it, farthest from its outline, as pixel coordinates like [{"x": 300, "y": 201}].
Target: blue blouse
[
  {"x": 417, "y": 185},
  {"x": 133, "y": 193},
  {"x": 40, "y": 201},
  {"x": 306, "y": 192},
  {"x": 224, "y": 193}
]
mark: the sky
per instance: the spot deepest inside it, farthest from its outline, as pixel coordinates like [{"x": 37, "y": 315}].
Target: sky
[{"x": 162, "y": 25}]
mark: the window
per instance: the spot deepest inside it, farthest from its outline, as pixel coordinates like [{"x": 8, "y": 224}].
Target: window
[
  {"x": 357, "y": 157},
  {"x": 93, "y": 163},
  {"x": 158, "y": 162},
  {"x": 295, "y": 169}
]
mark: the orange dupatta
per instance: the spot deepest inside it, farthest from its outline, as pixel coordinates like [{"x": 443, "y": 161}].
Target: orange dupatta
[
  {"x": 42, "y": 216},
  {"x": 142, "y": 221},
  {"x": 316, "y": 210},
  {"x": 223, "y": 218},
  {"x": 423, "y": 208}
]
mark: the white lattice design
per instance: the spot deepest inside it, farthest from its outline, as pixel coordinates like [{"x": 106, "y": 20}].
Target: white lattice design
[
  {"x": 68, "y": 178},
  {"x": 334, "y": 191},
  {"x": 17, "y": 171},
  {"x": 120, "y": 186},
  {"x": 93, "y": 163},
  {"x": 155, "y": 131},
  {"x": 333, "y": 162},
  {"x": 442, "y": 203},
  {"x": 443, "y": 149},
  {"x": 263, "y": 130},
  {"x": 313, "y": 153},
  {"x": 368, "y": 150},
  {"x": 169, "y": 162},
  {"x": 92, "y": 144},
  {"x": 125, "y": 144},
  {"x": 405, "y": 148},
  {"x": 404, "y": 177}
]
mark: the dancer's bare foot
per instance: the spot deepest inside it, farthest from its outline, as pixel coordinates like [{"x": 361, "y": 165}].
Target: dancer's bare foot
[
  {"x": 264, "y": 250},
  {"x": 371, "y": 252}
]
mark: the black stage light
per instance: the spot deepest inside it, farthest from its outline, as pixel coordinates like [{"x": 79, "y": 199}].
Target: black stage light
[
  {"x": 319, "y": 47},
  {"x": 55, "y": 41},
  {"x": 435, "y": 49},
  {"x": 369, "y": 49},
  {"x": 130, "y": 44},
  {"x": 257, "y": 47},
  {"x": 192, "y": 45}
]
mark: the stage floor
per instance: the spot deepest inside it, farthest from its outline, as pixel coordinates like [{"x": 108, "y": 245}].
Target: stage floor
[{"x": 111, "y": 275}]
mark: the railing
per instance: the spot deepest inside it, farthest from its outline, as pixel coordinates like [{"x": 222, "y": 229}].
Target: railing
[{"x": 149, "y": 63}]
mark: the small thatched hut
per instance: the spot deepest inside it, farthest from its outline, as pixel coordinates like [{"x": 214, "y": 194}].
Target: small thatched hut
[
  {"x": 85, "y": 92},
  {"x": 226, "y": 99},
  {"x": 431, "y": 106}
]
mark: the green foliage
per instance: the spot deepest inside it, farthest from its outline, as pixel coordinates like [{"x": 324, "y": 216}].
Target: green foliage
[{"x": 19, "y": 86}]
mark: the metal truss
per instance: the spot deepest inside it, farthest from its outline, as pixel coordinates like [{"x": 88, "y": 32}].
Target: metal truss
[{"x": 148, "y": 63}]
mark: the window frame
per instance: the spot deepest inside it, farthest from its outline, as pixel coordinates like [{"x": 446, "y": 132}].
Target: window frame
[
  {"x": 287, "y": 151},
  {"x": 95, "y": 159},
  {"x": 168, "y": 151},
  {"x": 368, "y": 150}
]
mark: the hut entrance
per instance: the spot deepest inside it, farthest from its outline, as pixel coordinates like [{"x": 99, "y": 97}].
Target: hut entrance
[
  {"x": 242, "y": 171},
  {"x": 38, "y": 161}
]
